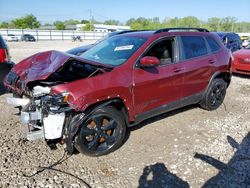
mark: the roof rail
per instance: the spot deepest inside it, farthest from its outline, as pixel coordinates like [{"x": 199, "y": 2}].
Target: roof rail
[
  {"x": 129, "y": 31},
  {"x": 180, "y": 29}
]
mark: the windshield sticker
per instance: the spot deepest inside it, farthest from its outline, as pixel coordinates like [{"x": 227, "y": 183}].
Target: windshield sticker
[{"x": 127, "y": 47}]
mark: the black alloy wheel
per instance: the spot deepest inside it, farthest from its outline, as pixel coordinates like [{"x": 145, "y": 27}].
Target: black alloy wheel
[
  {"x": 102, "y": 133},
  {"x": 215, "y": 95}
]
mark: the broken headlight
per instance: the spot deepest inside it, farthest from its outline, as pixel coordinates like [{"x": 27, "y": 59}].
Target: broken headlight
[{"x": 56, "y": 103}]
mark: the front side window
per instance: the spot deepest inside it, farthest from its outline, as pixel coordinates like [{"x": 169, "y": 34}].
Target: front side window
[
  {"x": 193, "y": 46},
  {"x": 115, "y": 50},
  {"x": 163, "y": 50}
]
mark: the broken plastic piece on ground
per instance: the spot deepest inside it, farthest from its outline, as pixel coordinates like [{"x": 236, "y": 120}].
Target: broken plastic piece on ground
[{"x": 17, "y": 101}]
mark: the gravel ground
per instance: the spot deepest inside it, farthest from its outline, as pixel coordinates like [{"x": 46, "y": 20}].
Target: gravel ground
[{"x": 189, "y": 147}]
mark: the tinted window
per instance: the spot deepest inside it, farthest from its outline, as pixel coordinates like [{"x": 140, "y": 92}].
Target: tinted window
[
  {"x": 214, "y": 46},
  {"x": 193, "y": 46}
]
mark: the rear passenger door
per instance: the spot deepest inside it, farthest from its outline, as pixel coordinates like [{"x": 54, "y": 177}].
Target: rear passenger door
[{"x": 198, "y": 63}]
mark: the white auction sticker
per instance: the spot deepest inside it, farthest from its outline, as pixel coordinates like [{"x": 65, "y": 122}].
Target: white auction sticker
[{"x": 127, "y": 47}]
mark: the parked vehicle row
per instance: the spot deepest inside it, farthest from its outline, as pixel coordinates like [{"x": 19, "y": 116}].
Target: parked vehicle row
[
  {"x": 24, "y": 37},
  {"x": 231, "y": 40}
]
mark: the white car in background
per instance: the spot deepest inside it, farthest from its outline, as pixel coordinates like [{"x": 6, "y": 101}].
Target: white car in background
[
  {"x": 11, "y": 37},
  {"x": 245, "y": 43}
]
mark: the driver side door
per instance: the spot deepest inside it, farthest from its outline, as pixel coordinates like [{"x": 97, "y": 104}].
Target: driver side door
[{"x": 157, "y": 87}]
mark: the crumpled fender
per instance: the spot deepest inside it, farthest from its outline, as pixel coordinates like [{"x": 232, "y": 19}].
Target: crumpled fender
[{"x": 86, "y": 92}]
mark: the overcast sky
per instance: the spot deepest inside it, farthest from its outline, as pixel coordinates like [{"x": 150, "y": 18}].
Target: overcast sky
[{"x": 48, "y": 11}]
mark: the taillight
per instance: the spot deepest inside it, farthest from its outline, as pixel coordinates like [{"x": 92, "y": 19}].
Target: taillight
[{"x": 3, "y": 56}]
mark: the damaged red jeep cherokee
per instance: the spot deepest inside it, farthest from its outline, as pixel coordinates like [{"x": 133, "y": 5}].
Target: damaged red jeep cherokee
[{"x": 87, "y": 102}]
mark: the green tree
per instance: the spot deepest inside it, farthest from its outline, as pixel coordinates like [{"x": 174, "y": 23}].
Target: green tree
[
  {"x": 190, "y": 21},
  {"x": 171, "y": 22},
  {"x": 59, "y": 25},
  {"x": 84, "y": 21},
  {"x": 88, "y": 27},
  {"x": 71, "y": 22},
  {"x": 227, "y": 23},
  {"x": 213, "y": 24},
  {"x": 130, "y": 21},
  {"x": 112, "y": 22},
  {"x": 28, "y": 21},
  {"x": 4, "y": 25}
]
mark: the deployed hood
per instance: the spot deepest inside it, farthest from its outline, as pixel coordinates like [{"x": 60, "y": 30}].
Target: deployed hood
[
  {"x": 51, "y": 68},
  {"x": 40, "y": 65},
  {"x": 43, "y": 64}
]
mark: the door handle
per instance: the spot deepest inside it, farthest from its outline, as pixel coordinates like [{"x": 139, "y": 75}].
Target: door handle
[
  {"x": 178, "y": 69},
  {"x": 211, "y": 61}
]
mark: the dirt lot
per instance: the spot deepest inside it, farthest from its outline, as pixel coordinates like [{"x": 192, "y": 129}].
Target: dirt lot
[{"x": 190, "y": 147}]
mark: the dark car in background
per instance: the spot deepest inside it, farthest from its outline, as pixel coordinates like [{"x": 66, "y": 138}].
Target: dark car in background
[
  {"x": 80, "y": 50},
  {"x": 5, "y": 63},
  {"x": 231, "y": 40},
  {"x": 28, "y": 37}
]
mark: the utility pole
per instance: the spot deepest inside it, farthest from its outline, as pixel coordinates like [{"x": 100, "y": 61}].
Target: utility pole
[{"x": 90, "y": 19}]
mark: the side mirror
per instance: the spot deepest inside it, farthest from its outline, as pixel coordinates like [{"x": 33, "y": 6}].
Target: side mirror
[{"x": 149, "y": 61}]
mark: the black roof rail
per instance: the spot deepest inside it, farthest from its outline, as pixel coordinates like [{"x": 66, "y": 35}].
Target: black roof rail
[
  {"x": 129, "y": 31},
  {"x": 180, "y": 29}
]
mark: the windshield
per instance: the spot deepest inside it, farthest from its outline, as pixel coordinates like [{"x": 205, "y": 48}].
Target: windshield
[{"x": 115, "y": 50}]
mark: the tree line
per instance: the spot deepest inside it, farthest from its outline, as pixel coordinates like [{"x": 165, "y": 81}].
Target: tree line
[{"x": 212, "y": 24}]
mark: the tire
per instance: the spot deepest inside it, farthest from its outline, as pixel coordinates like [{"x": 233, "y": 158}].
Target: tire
[
  {"x": 102, "y": 133},
  {"x": 214, "y": 95}
]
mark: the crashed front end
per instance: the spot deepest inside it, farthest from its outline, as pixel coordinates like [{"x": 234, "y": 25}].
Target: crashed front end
[
  {"x": 44, "y": 114},
  {"x": 45, "y": 108}
]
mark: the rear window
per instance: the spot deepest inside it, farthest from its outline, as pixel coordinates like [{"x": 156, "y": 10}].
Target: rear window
[
  {"x": 214, "y": 46},
  {"x": 193, "y": 46},
  {"x": 2, "y": 43}
]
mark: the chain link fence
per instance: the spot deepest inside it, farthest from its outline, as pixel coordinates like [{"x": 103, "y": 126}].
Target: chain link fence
[{"x": 53, "y": 34}]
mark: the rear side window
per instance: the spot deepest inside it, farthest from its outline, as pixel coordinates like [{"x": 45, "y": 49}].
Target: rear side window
[
  {"x": 193, "y": 46},
  {"x": 214, "y": 46}
]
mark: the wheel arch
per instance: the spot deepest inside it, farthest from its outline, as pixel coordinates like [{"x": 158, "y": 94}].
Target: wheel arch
[
  {"x": 226, "y": 76},
  {"x": 117, "y": 103}
]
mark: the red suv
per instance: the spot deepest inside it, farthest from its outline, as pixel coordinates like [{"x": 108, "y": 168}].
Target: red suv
[{"x": 87, "y": 102}]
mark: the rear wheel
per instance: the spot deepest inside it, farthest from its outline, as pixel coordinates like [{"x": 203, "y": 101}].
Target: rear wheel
[
  {"x": 215, "y": 95},
  {"x": 102, "y": 133}
]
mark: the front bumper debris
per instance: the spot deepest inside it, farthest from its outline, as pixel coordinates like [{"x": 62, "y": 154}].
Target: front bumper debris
[
  {"x": 38, "y": 120},
  {"x": 17, "y": 101},
  {"x": 27, "y": 117}
]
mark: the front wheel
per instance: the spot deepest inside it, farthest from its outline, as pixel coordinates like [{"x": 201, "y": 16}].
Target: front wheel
[
  {"x": 214, "y": 95},
  {"x": 102, "y": 133}
]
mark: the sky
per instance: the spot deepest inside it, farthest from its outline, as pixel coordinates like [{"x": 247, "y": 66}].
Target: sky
[{"x": 48, "y": 11}]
